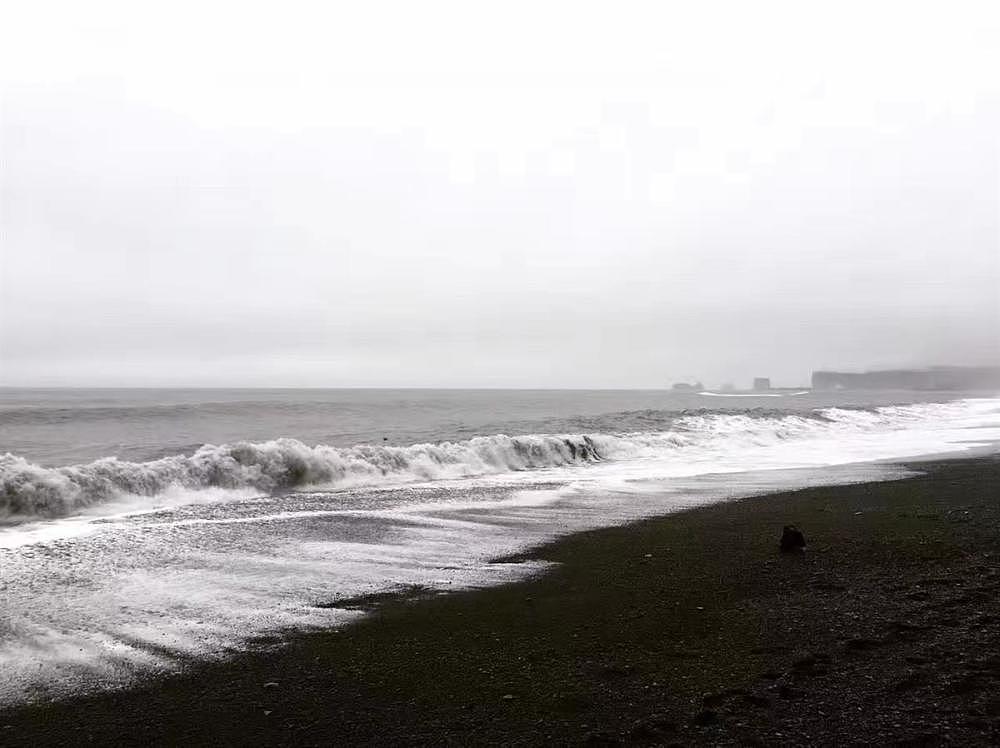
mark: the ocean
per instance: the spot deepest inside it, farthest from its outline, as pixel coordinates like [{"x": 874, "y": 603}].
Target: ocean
[{"x": 142, "y": 528}]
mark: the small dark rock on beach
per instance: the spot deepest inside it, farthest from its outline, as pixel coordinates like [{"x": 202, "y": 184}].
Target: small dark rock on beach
[{"x": 792, "y": 540}]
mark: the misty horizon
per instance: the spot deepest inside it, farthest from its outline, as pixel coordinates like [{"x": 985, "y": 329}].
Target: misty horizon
[
  {"x": 734, "y": 383},
  {"x": 539, "y": 197}
]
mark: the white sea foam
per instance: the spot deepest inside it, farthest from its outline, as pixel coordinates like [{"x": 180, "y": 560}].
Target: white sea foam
[
  {"x": 247, "y": 468},
  {"x": 198, "y": 554},
  {"x": 27, "y": 489}
]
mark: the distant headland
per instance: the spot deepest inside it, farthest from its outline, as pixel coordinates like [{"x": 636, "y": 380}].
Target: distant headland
[{"x": 932, "y": 378}]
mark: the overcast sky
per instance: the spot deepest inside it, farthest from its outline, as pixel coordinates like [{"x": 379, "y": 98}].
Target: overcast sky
[{"x": 495, "y": 194}]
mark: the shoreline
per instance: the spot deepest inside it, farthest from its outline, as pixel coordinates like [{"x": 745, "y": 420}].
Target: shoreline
[{"x": 689, "y": 627}]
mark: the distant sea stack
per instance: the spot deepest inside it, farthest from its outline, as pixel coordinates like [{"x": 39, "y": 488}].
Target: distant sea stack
[
  {"x": 687, "y": 387},
  {"x": 933, "y": 378}
]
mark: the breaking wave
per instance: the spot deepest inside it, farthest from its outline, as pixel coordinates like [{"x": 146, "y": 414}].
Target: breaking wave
[
  {"x": 27, "y": 489},
  {"x": 31, "y": 490}
]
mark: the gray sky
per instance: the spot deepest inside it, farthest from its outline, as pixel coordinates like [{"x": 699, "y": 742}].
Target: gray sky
[{"x": 505, "y": 194}]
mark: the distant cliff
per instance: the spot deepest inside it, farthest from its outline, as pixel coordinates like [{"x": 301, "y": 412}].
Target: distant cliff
[{"x": 934, "y": 378}]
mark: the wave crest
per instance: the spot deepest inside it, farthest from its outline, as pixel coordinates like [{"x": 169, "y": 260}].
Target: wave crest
[
  {"x": 31, "y": 490},
  {"x": 27, "y": 489}
]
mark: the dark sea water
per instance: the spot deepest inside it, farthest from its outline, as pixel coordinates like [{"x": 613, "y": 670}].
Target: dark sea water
[
  {"x": 139, "y": 527},
  {"x": 64, "y": 426}
]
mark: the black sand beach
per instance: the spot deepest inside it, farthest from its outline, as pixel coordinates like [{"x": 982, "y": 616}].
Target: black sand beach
[{"x": 691, "y": 628}]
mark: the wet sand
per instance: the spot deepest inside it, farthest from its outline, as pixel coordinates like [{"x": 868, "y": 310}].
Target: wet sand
[{"x": 691, "y": 628}]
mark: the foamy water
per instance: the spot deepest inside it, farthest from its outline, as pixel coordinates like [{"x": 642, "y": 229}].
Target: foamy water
[{"x": 111, "y": 570}]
